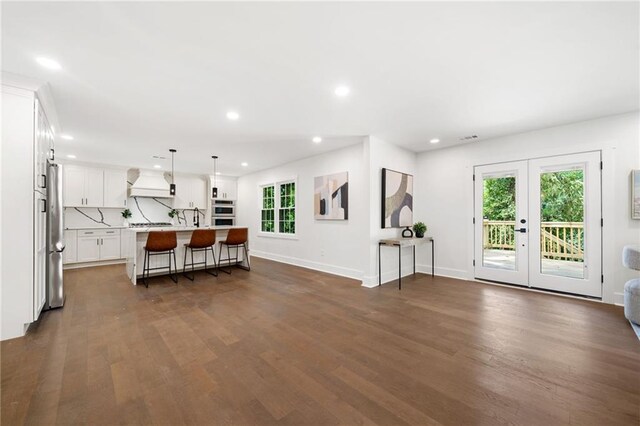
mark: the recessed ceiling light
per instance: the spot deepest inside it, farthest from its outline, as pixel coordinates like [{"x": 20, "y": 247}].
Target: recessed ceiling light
[
  {"x": 218, "y": 173},
  {"x": 48, "y": 63},
  {"x": 317, "y": 139},
  {"x": 71, "y": 156},
  {"x": 157, "y": 166},
  {"x": 233, "y": 115},
  {"x": 67, "y": 137},
  {"x": 244, "y": 164},
  {"x": 342, "y": 91},
  {"x": 434, "y": 140}
]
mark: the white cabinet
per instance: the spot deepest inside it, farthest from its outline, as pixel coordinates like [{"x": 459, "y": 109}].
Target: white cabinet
[
  {"x": 110, "y": 245},
  {"x": 98, "y": 244},
  {"x": 73, "y": 184},
  {"x": 115, "y": 188},
  {"x": 43, "y": 148},
  {"x": 191, "y": 192},
  {"x": 83, "y": 186},
  {"x": 227, "y": 188},
  {"x": 70, "y": 253},
  {"x": 88, "y": 246},
  {"x": 26, "y": 141},
  {"x": 41, "y": 253}
]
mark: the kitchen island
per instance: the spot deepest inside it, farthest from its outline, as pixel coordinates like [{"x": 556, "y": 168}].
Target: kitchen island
[{"x": 136, "y": 238}]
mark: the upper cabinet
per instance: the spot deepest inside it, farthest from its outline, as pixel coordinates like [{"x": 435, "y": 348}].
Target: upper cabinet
[
  {"x": 115, "y": 188},
  {"x": 83, "y": 186},
  {"x": 86, "y": 186},
  {"x": 227, "y": 188},
  {"x": 43, "y": 148},
  {"x": 191, "y": 192}
]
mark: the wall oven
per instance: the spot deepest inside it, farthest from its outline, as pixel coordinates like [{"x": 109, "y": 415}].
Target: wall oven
[
  {"x": 223, "y": 213},
  {"x": 223, "y": 210},
  {"x": 223, "y": 221}
]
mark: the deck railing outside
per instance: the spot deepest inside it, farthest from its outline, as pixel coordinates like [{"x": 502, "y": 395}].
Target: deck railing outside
[{"x": 558, "y": 240}]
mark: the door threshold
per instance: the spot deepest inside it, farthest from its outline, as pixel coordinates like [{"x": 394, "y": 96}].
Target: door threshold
[{"x": 540, "y": 290}]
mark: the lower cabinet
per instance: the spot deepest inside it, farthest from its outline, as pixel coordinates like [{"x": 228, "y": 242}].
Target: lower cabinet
[
  {"x": 70, "y": 253},
  {"x": 93, "y": 245}
]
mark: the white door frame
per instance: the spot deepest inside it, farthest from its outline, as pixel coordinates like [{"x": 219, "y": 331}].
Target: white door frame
[
  {"x": 520, "y": 274},
  {"x": 596, "y": 214}
]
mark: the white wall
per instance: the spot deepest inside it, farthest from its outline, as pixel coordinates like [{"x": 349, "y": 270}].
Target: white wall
[
  {"x": 386, "y": 155},
  {"x": 445, "y": 186},
  {"x": 337, "y": 247}
]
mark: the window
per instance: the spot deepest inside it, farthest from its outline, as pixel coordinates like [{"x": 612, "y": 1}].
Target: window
[
  {"x": 268, "y": 209},
  {"x": 287, "y": 210},
  {"x": 278, "y": 213}
]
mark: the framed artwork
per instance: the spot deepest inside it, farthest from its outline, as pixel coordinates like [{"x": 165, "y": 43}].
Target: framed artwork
[
  {"x": 331, "y": 197},
  {"x": 397, "y": 199},
  {"x": 635, "y": 194}
]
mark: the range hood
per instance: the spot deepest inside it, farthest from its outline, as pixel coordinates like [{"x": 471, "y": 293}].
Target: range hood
[{"x": 148, "y": 183}]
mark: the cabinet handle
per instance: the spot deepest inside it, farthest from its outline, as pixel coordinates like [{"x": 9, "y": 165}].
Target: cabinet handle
[
  {"x": 87, "y": 233},
  {"x": 97, "y": 241},
  {"x": 52, "y": 154},
  {"x": 44, "y": 181},
  {"x": 125, "y": 202},
  {"x": 44, "y": 206}
]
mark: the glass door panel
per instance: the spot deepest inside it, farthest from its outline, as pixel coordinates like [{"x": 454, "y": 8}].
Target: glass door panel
[
  {"x": 565, "y": 202},
  {"x": 498, "y": 222},
  {"x": 562, "y": 223},
  {"x": 501, "y": 222}
]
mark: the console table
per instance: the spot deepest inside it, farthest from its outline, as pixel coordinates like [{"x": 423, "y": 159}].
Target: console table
[{"x": 405, "y": 242}]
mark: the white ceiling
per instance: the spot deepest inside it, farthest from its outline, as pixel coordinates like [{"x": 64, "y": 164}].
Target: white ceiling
[{"x": 140, "y": 78}]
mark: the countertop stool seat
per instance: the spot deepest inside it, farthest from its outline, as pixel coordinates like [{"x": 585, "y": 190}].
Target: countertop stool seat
[
  {"x": 201, "y": 241},
  {"x": 236, "y": 237},
  {"x": 160, "y": 243}
]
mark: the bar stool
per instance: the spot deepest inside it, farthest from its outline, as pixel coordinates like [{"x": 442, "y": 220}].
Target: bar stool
[
  {"x": 201, "y": 240},
  {"x": 237, "y": 237},
  {"x": 159, "y": 243}
]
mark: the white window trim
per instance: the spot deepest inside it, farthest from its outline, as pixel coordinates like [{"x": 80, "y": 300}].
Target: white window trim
[{"x": 276, "y": 214}]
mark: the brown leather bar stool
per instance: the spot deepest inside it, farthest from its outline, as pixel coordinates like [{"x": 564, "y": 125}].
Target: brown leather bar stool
[
  {"x": 237, "y": 237},
  {"x": 201, "y": 240},
  {"x": 159, "y": 243}
]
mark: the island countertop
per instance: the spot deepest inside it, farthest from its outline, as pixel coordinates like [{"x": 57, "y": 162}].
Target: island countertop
[
  {"x": 136, "y": 239},
  {"x": 180, "y": 228}
]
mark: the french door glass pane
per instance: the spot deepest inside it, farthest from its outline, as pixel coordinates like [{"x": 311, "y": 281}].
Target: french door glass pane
[
  {"x": 499, "y": 219},
  {"x": 562, "y": 223}
]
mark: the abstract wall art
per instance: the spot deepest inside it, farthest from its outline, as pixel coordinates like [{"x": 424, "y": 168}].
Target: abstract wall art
[
  {"x": 397, "y": 199},
  {"x": 331, "y": 197}
]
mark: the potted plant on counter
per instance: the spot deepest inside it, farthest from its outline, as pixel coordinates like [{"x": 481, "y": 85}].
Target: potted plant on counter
[
  {"x": 419, "y": 228},
  {"x": 126, "y": 214},
  {"x": 172, "y": 214}
]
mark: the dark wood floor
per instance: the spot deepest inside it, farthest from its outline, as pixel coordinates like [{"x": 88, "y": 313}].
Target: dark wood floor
[{"x": 284, "y": 345}]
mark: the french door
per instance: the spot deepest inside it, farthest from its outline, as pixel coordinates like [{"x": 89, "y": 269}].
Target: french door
[{"x": 538, "y": 223}]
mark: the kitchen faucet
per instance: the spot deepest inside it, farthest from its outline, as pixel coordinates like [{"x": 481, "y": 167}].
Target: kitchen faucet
[{"x": 196, "y": 217}]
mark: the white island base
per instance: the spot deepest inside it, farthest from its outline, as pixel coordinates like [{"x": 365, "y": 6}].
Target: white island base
[{"x": 136, "y": 239}]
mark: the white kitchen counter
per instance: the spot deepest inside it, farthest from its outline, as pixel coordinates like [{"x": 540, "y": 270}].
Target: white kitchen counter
[
  {"x": 181, "y": 228},
  {"x": 136, "y": 239}
]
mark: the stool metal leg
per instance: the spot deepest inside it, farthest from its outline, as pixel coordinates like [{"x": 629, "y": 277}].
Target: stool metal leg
[
  {"x": 220, "y": 261},
  {"x": 144, "y": 268}
]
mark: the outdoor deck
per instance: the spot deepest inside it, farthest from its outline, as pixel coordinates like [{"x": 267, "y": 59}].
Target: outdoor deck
[{"x": 506, "y": 259}]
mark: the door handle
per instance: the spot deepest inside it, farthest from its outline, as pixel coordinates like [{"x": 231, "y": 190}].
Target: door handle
[
  {"x": 523, "y": 230},
  {"x": 44, "y": 181}
]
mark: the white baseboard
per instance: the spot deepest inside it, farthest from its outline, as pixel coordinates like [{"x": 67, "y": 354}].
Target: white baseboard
[
  {"x": 316, "y": 266},
  {"x": 90, "y": 264},
  {"x": 460, "y": 274},
  {"x": 618, "y": 299}
]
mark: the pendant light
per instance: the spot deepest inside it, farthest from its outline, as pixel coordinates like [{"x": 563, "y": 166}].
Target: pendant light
[
  {"x": 172, "y": 187},
  {"x": 214, "y": 190}
]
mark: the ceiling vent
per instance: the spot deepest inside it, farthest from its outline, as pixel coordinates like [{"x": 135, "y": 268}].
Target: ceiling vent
[{"x": 469, "y": 138}]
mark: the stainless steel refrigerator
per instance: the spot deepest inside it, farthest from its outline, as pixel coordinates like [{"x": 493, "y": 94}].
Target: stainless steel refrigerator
[{"x": 55, "y": 238}]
